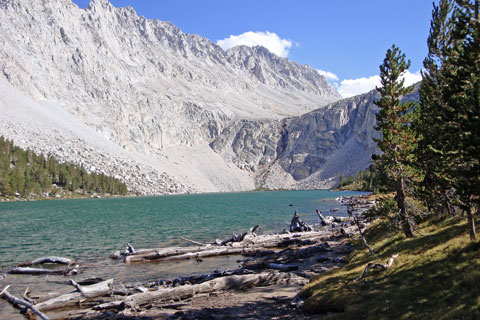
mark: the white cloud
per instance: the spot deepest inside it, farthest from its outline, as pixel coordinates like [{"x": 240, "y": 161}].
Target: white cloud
[
  {"x": 353, "y": 87},
  {"x": 269, "y": 40},
  {"x": 327, "y": 74}
]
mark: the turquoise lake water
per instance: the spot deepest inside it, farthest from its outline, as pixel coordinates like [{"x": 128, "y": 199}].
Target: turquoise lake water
[{"x": 96, "y": 227}]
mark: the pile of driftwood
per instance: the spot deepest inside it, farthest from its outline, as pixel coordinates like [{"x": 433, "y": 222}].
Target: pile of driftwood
[{"x": 270, "y": 259}]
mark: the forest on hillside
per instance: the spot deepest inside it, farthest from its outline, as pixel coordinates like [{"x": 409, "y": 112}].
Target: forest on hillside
[{"x": 26, "y": 174}]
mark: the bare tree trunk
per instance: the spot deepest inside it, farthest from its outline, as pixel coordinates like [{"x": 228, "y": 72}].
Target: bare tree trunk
[
  {"x": 402, "y": 205},
  {"x": 15, "y": 301}
]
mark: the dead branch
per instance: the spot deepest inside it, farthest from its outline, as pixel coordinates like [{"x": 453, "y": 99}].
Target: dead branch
[
  {"x": 193, "y": 241},
  {"x": 15, "y": 301},
  {"x": 323, "y": 222},
  {"x": 381, "y": 267}
]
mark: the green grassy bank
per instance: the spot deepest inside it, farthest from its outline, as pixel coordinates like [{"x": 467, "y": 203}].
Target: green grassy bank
[{"x": 436, "y": 276}]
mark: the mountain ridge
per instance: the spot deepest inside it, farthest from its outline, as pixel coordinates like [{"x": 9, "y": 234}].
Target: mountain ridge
[{"x": 143, "y": 91}]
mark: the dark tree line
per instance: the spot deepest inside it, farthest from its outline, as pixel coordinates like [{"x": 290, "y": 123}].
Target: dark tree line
[
  {"x": 431, "y": 150},
  {"x": 22, "y": 172},
  {"x": 370, "y": 179}
]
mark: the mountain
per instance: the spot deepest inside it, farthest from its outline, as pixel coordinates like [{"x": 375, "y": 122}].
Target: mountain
[{"x": 169, "y": 112}]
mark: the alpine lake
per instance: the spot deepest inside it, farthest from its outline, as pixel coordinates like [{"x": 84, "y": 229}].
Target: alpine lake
[{"x": 88, "y": 230}]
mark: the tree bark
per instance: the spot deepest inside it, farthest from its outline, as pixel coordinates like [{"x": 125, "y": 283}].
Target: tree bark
[
  {"x": 224, "y": 283},
  {"x": 49, "y": 259},
  {"x": 37, "y": 271},
  {"x": 402, "y": 206},
  {"x": 15, "y": 301},
  {"x": 253, "y": 244},
  {"x": 70, "y": 299},
  {"x": 212, "y": 252},
  {"x": 323, "y": 222}
]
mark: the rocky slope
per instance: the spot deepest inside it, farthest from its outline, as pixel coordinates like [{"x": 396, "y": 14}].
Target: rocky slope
[
  {"x": 307, "y": 151},
  {"x": 166, "y": 111}
]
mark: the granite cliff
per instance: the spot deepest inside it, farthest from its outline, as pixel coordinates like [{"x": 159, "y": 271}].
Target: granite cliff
[{"x": 169, "y": 112}]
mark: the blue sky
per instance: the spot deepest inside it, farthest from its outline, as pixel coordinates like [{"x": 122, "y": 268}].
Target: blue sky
[{"x": 347, "y": 38}]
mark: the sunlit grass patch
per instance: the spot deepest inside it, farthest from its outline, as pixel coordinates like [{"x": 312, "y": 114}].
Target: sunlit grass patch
[{"x": 436, "y": 276}]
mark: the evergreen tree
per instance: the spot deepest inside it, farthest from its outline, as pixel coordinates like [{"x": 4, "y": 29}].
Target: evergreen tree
[
  {"x": 29, "y": 174},
  {"x": 449, "y": 116},
  {"x": 398, "y": 139}
]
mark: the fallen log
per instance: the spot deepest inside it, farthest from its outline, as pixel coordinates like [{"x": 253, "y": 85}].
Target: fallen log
[
  {"x": 87, "y": 291},
  {"x": 236, "y": 282},
  {"x": 238, "y": 237},
  {"x": 212, "y": 252},
  {"x": 45, "y": 260},
  {"x": 195, "y": 279},
  {"x": 117, "y": 305},
  {"x": 286, "y": 256},
  {"x": 72, "y": 298},
  {"x": 297, "y": 225},
  {"x": 250, "y": 244},
  {"x": 38, "y": 271},
  {"x": 381, "y": 267},
  {"x": 15, "y": 301}
]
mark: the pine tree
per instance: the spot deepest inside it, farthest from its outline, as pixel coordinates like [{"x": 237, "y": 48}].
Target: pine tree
[
  {"x": 449, "y": 116},
  {"x": 434, "y": 188},
  {"x": 398, "y": 139}
]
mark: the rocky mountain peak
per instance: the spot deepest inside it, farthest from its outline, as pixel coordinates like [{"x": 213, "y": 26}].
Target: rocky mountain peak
[
  {"x": 99, "y": 4},
  {"x": 142, "y": 86}
]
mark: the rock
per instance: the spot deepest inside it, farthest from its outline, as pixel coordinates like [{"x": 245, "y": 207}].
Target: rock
[{"x": 169, "y": 112}]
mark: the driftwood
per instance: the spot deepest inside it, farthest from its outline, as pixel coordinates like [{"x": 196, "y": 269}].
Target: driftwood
[
  {"x": 249, "y": 245},
  {"x": 15, "y": 301},
  {"x": 323, "y": 222},
  {"x": 37, "y": 271},
  {"x": 193, "y": 241},
  {"x": 225, "y": 283},
  {"x": 285, "y": 256},
  {"x": 72, "y": 298},
  {"x": 129, "y": 249},
  {"x": 381, "y": 267},
  {"x": 212, "y": 252},
  {"x": 238, "y": 237},
  {"x": 195, "y": 279},
  {"x": 45, "y": 260},
  {"x": 297, "y": 225}
]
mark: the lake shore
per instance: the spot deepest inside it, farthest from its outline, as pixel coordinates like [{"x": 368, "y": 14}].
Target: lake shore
[{"x": 267, "y": 302}]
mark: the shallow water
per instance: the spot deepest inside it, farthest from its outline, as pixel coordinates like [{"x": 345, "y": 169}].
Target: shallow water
[
  {"x": 95, "y": 227},
  {"x": 88, "y": 230}
]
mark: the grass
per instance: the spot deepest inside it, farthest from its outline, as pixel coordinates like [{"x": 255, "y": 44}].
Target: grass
[{"x": 436, "y": 276}]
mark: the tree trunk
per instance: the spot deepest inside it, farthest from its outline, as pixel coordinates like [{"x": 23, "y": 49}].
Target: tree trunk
[
  {"x": 402, "y": 206},
  {"x": 226, "y": 283},
  {"x": 471, "y": 224},
  {"x": 73, "y": 298}
]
